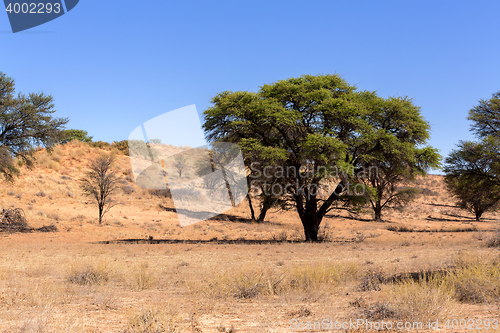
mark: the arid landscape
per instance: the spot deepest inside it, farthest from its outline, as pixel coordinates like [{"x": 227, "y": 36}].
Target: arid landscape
[{"x": 141, "y": 272}]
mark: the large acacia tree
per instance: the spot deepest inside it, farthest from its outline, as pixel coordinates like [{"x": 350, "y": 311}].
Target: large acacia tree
[
  {"x": 317, "y": 130},
  {"x": 26, "y": 123}
]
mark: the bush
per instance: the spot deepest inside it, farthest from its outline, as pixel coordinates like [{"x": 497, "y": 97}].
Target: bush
[
  {"x": 494, "y": 240},
  {"x": 161, "y": 193},
  {"x": 13, "y": 220},
  {"x": 413, "y": 301},
  {"x": 475, "y": 279},
  {"x": 121, "y": 146},
  {"x": 101, "y": 144},
  {"x": 128, "y": 189},
  {"x": 142, "y": 277},
  {"x": 152, "y": 321},
  {"x": 89, "y": 274}
]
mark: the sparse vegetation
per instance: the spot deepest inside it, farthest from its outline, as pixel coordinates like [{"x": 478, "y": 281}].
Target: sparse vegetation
[{"x": 100, "y": 183}]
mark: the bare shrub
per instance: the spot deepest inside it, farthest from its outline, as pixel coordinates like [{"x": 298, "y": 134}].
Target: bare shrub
[
  {"x": 165, "y": 193},
  {"x": 142, "y": 277},
  {"x": 89, "y": 273},
  {"x": 372, "y": 280},
  {"x": 415, "y": 301},
  {"x": 474, "y": 279},
  {"x": 13, "y": 219},
  {"x": 100, "y": 183},
  {"x": 128, "y": 189},
  {"x": 152, "y": 321},
  {"x": 494, "y": 240}
]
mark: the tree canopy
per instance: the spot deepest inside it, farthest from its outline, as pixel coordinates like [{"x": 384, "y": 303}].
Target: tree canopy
[
  {"x": 26, "y": 123},
  {"x": 75, "y": 134}
]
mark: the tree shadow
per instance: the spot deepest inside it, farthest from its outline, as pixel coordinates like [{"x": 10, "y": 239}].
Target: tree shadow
[
  {"x": 151, "y": 240},
  {"x": 440, "y": 205},
  {"x": 358, "y": 218},
  {"x": 219, "y": 217}
]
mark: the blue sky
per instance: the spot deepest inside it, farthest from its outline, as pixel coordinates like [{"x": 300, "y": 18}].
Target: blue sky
[{"x": 113, "y": 65}]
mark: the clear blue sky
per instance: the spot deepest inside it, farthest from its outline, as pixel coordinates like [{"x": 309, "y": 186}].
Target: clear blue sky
[{"x": 113, "y": 65}]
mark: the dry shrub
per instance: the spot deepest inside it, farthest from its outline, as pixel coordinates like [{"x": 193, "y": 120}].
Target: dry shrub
[
  {"x": 13, "y": 220},
  {"x": 372, "y": 280},
  {"x": 89, "y": 273},
  {"x": 414, "y": 301},
  {"x": 128, "y": 189},
  {"x": 152, "y": 321},
  {"x": 474, "y": 279},
  {"x": 494, "y": 240},
  {"x": 142, "y": 277}
]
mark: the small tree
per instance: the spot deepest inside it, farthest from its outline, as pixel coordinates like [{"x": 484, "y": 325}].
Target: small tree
[
  {"x": 471, "y": 176},
  {"x": 473, "y": 170},
  {"x": 180, "y": 162},
  {"x": 25, "y": 124},
  {"x": 100, "y": 182},
  {"x": 391, "y": 152},
  {"x": 75, "y": 134}
]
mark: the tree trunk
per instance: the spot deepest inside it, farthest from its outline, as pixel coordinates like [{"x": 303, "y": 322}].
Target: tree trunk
[
  {"x": 228, "y": 187},
  {"x": 478, "y": 214},
  {"x": 378, "y": 211},
  {"x": 310, "y": 219},
  {"x": 264, "y": 207},
  {"x": 309, "y": 213},
  {"x": 262, "y": 214},
  {"x": 100, "y": 214},
  {"x": 252, "y": 212},
  {"x": 311, "y": 229}
]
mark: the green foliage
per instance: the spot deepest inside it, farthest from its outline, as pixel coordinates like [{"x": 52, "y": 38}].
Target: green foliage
[
  {"x": 486, "y": 117},
  {"x": 471, "y": 176},
  {"x": 323, "y": 129},
  {"x": 473, "y": 170},
  {"x": 122, "y": 146},
  {"x": 391, "y": 150},
  {"x": 25, "y": 123},
  {"x": 100, "y": 144},
  {"x": 75, "y": 134}
]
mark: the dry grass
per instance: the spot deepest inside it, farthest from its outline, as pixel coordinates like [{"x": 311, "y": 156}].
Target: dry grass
[
  {"x": 256, "y": 281},
  {"x": 66, "y": 281}
]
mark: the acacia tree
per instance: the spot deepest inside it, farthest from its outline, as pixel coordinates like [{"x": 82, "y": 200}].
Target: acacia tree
[
  {"x": 26, "y": 123},
  {"x": 391, "y": 151},
  {"x": 310, "y": 128},
  {"x": 472, "y": 175},
  {"x": 486, "y": 117},
  {"x": 310, "y": 120},
  {"x": 100, "y": 183},
  {"x": 473, "y": 169},
  {"x": 75, "y": 134}
]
